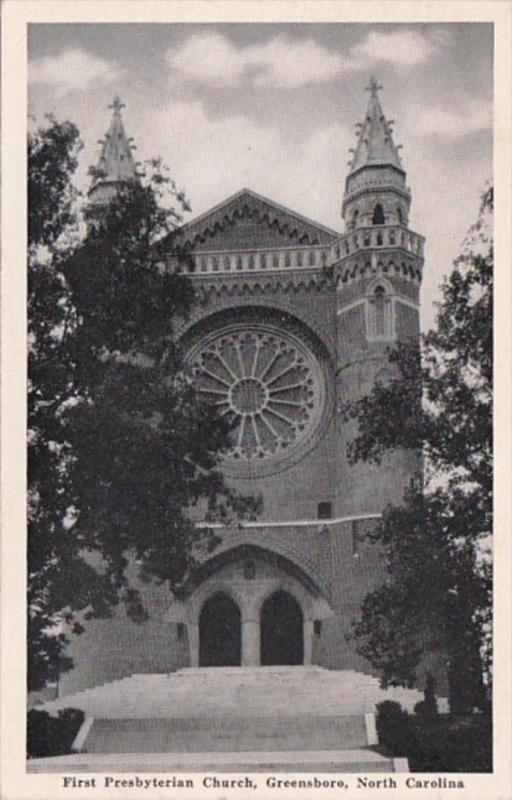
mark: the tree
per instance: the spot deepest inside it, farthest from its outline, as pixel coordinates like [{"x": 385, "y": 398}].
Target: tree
[
  {"x": 121, "y": 448},
  {"x": 438, "y": 591}
]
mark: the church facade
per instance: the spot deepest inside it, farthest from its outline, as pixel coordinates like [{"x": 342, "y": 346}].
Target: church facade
[{"x": 294, "y": 319}]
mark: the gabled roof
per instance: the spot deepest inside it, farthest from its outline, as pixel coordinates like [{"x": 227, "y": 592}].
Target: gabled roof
[
  {"x": 375, "y": 145},
  {"x": 247, "y": 204}
]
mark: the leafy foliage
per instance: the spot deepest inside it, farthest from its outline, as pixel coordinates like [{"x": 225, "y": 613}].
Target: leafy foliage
[
  {"x": 52, "y": 736},
  {"x": 435, "y": 743},
  {"x": 438, "y": 592},
  {"x": 121, "y": 449}
]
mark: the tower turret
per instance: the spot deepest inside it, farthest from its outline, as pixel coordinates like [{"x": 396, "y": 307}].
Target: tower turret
[
  {"x": 116, "y": 163},
  {"x": 378, "y": 266},
  {"x": 375, "y": 191}
]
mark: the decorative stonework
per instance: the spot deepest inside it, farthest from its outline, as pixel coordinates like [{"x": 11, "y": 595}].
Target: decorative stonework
[
  {"x": 267, "y": 382},
  {"x": 247, "y": 206}
]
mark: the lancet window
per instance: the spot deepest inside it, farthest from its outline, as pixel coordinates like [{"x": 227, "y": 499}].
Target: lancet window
[{"x": 380, "y": 312}]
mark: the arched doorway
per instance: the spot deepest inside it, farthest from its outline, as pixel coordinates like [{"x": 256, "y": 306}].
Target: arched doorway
[
  {"x": 282, "y": 638},
  {"x": 220, "y": 640}
]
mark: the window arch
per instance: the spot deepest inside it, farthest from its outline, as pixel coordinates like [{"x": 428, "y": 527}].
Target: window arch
[
  {"x": 378, "y": 215},
  {"x": 355, "y": 216},
  {"x": 380, "y": 311},
  {"x": 379, "y": 299},
  {"x": 399, "y": 215}
]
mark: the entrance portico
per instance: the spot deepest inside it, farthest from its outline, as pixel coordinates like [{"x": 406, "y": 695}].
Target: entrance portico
[{"x": 251, "y": 612}]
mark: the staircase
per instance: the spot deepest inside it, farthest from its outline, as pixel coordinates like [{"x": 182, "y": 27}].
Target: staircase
[{"x": 229, "y": 718}]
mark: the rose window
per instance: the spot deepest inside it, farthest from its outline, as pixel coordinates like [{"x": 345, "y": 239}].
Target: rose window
[{"x": 267, "y": 382}]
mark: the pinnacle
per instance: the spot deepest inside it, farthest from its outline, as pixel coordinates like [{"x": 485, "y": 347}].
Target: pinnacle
[
  {"x": 116, "y": 161},
  {"x": 375, "y": 145}
]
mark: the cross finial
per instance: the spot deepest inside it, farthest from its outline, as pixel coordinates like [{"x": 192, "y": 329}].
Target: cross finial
[
  {"x": 117, "y": 105},
  {"x": 374, "y": 86}
]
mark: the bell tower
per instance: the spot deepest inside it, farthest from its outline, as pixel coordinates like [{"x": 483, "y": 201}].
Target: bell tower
[{"x": 378, "y": 265}]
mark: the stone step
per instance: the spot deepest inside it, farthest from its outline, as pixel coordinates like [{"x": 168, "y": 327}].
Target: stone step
[
  {"x": 343, "y": 761},
  {"x": 235, "y": 734},
  {"x": 240, "y": 691}
]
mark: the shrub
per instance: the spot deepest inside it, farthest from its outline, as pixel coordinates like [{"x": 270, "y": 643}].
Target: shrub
[
  {"x": 52, "y": 736},
  {"x": 393, "y": 728},
  {"x": 449, "y": 744}
]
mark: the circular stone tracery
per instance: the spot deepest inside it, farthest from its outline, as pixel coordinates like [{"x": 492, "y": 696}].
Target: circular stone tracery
[
  {"x": 267, "y": 381},
  {"x": 248, "y": 396}
]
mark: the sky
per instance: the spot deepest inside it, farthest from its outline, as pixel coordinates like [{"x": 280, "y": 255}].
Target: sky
[{"x": 273, "y": 107}]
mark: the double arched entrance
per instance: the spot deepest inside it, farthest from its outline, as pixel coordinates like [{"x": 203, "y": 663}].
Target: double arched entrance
[{"x": 279, "y": 629}]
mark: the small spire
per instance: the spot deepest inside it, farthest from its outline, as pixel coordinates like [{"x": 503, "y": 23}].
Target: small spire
[
  {"x": 115, "y": 163},
  {"x": 375, "y": 145}
]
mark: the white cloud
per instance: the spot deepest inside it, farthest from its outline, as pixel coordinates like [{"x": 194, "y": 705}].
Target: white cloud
[
  {"x": 453, "y": 123},
  {"x": 289, "y": 62},
  {"x": 283, "y": 61},
  {"x": 212, "y": 158},
  {"x": 395, "y": 47},
  {"x": 72, "y": 70},
  {"x": 208, "y": 57}
]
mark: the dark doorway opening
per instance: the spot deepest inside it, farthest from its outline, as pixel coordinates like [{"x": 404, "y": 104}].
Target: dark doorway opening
[
  {"x": 281, "y": 622},
  {"x": 220, "y": 637}
]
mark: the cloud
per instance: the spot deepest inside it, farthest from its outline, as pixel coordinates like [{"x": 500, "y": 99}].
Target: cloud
[
  {"x": 72, "y": 70},
  {"x": 395, "y": 47},
  {"x": 284, "y": 61},
  {"x": 290, "y": 62},
  {"x": 452, "y": 123},
  {"x": 213, "y": 157},
  {"x": 281, "y": 61}
]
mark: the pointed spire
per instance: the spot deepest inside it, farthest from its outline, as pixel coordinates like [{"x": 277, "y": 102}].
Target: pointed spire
[
  {"x": 116, "y": 161},
  {"x": 375, "y": 143}
]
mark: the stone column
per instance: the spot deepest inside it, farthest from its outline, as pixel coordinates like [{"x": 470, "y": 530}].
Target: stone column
[
  {"x": 193, "y": 643},
  {"x": 308, "y": 641},
  {"x": 250, "y": 643}
]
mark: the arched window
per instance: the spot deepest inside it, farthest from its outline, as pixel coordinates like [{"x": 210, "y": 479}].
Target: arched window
[
  {"x": 287, "y": 260},
  {"x": 311, "y": 258},
  {"x": 399, "y": 215},
  {"x": 378, "y": 215},
  {"x": 380, "y": 323},
  {"x": 355, "y": 216},
  {"x": 379, "y": 300}
]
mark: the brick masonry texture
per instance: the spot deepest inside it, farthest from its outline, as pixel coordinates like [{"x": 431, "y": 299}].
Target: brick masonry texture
[{"x": 335, "y": 563}]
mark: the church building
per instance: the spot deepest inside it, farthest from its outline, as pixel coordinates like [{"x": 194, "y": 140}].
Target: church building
[{"x": 294, "y": 320}]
